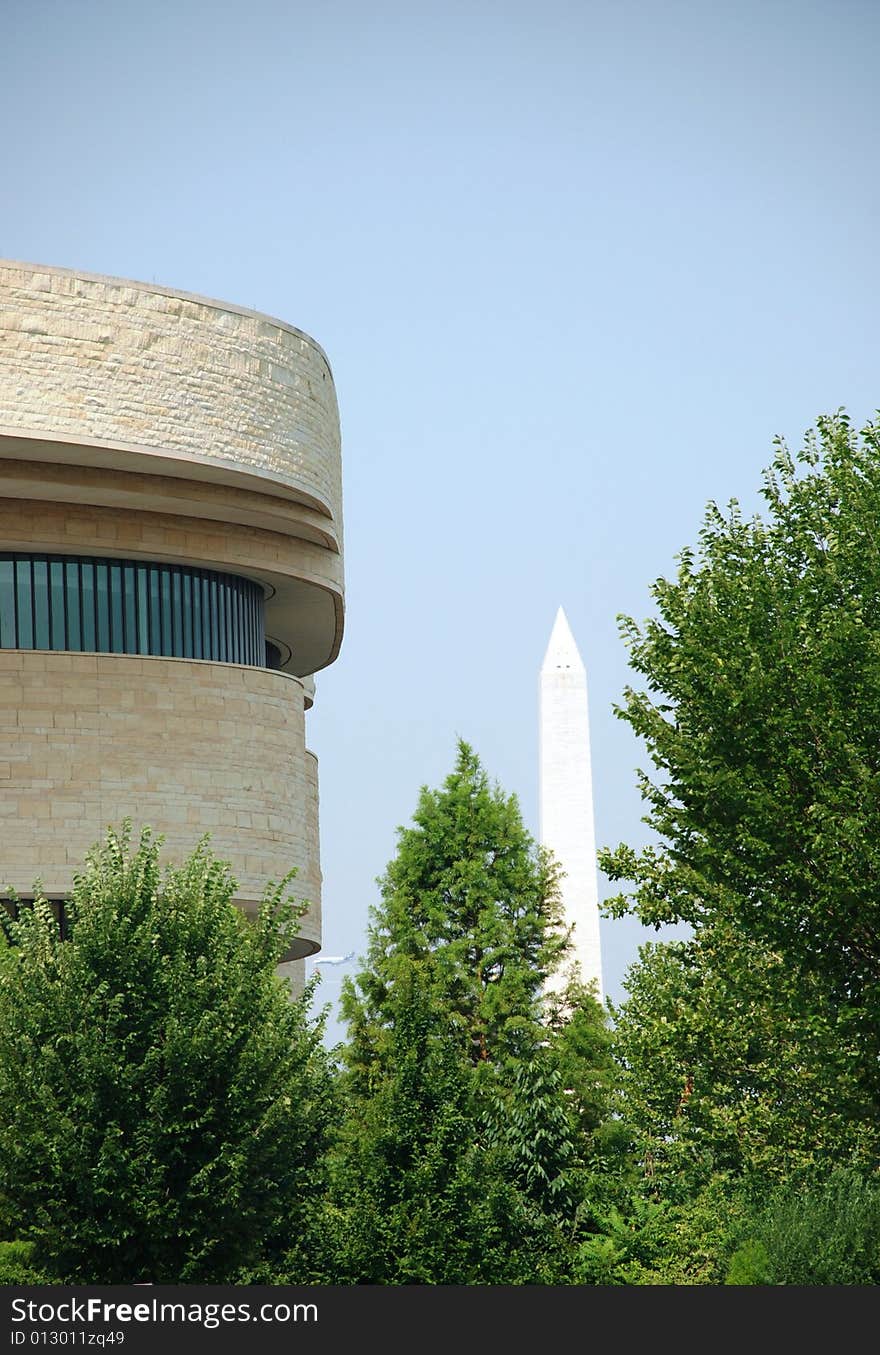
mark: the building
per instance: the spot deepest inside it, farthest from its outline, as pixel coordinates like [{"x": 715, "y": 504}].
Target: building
[
  {"x": 170, "y": 578},
  {"x": 566, "y": 795}
]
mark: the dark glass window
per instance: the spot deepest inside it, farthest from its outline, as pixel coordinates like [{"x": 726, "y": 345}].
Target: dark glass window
[
  {"x": 56, "y": 600},
  {"x": 40, "y": 590},
  {"x": 213, "y": 617},
  {"x": 102, "y": 603},
  {"x": 241, "y": 622},
  {"x": 221, "y": 616},
  {"x": 142, "y": 595},
  {"x": 154, "y": 646},
  {"x": 165, "y": 646},
  {"x": 126, "y": 607},
  {"x": 24, "y": 618},
  {"x": 130, "y": 609},
  {"x": 176, "y": 614},
  {"x": 72, "y": 604},
  {"x": 198, "y": 648},
  {"x": 117, "y": 630},
  {"x": 89, "y": 634},
  {"x": 187, "y": 610},
  {"x": 7, "y": 604}
]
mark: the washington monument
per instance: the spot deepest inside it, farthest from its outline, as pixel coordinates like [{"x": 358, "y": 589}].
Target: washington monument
[{"x": 566, "y": 794}]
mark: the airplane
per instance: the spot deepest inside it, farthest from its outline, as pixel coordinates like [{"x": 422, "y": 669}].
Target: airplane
[{"x": 333, "y": 959}]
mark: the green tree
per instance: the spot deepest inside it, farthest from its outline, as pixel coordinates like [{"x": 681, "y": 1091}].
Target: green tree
[
  {"x": 583, "y": 1053},
  {"x": 423, "y": 1180},
  {"x": 732, "y": 1063},
  {"x": 457, "y": 1160},
  {"x": 761, "y": 713},
  {"x": 165, "y": 1103},
  {"x": 646, "y": 1240},
  {"x": 469, "y": 890}
]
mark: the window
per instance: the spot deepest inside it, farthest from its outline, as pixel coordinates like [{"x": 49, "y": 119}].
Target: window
[{"x": 129, "y": 607}]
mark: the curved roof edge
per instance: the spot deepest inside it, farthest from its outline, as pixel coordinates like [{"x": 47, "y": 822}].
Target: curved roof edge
[{"x": 162, "y": 290}]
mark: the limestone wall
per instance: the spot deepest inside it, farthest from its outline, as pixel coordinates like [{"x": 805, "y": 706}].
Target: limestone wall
[
  {"x": 89, "y": 357},
  {"x": 188, "y": 747}
]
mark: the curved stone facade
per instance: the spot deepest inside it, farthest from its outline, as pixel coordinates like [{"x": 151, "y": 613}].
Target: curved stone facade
[
  {"x": 303, "y": 606},
  {"x": 187, "y": 747},
  {"x": 146, "y": 367},
  {"x": 141, "y": 424},
  {"x": 120, "y": 395}
]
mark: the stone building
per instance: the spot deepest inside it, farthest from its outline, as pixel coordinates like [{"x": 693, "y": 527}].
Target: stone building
[{"x": 170, "y": 578}]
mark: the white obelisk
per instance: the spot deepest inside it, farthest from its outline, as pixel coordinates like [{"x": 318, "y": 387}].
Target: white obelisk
[{"x": 566, "y": 795}]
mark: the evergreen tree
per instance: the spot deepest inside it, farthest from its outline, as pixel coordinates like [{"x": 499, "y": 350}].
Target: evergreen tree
[
  {"x": 457, "y": 1161},
  {"x": 165, "y": 1103},
  {"x": 469, "y": 891},
  {"x": 425, "y": 1194}
]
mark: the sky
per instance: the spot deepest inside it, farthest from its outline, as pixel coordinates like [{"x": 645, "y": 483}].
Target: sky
[{"x": 574, "y": 265}]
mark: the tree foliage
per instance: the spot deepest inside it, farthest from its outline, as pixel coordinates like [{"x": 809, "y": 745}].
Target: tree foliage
[
  {"x": 646, "y": 1240},
  {"x": 732, "y": 1063},
  {"x": 423, "y": 1183},
  {"x": 169, "y": 1108},
  {"x": 813, "y": 1232},
  {"x": 166, "y": 1104},
  {"x": 761, "y": 712},
  {"x": 469, "y": 893},
  {"x": 459, "y": 1159},
  {"x": 17, "y": 1264}
]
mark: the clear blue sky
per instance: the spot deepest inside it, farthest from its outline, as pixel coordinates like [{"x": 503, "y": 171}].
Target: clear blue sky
[{"x": 574, "y": 265}]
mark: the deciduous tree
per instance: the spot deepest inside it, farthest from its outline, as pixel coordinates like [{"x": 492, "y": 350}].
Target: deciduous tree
[
  {"x": 165, "y": 1103},
  {"x": 760, "y": 708}
]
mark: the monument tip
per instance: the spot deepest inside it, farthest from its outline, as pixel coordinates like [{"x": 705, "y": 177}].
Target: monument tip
[{"x": 562, "y": 651}]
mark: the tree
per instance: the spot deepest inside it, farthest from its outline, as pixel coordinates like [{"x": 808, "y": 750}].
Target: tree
[
  {"x": 733, "y": 1064},
  {"x": 583, "y": 1053},
  {"x": 469, "y": 891},
  {"x": 424, "y": 1188},
  {"x": 166, "y": 1103},
  {"x": 761, "y": 714},
  {"x": 649, "y": 1241},
  {"x": 456, "y": 1163}
]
